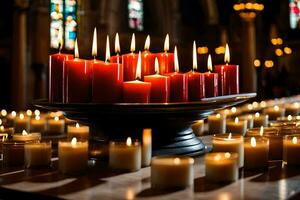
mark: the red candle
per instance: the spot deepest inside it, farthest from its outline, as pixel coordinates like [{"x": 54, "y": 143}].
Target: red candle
[
  {"x": 117, "y": 58},
  {"x": 130, "y": 62},
  {"x": 148, "y": 60},
  {"x": 137, "y": 91},
  {"x": 211, "y": 80},
  {"x": 77, "y": 79},
  {"x": 178, "y": 83},
  {"x": 228, "y": 76},
  {"x": 196, "y": 82},
  {"x": 160, "y": 86},
  {"x": 165, "y": 59}
]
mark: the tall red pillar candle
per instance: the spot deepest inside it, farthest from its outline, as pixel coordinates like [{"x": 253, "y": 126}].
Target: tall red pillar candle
[
  {"x": 211, "y": 80},
  {"x": 107, "y": 80},
  {"x": 196, "y": 81},
  {"x": 148, "y": 60},
  {"x": 160, "y": 86},
  {"x": 228, "y": 76},
  {"x": 129, "y": 62},
  {"x": 77, "y": 79},
  {"x": 117, "y": 58},
  {"x": 178, "y": 83},
  {"x": 137, "y": 91},
  {"x": 165, "y": 59}
]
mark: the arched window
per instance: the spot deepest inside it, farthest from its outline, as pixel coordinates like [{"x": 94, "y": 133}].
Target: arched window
[{"x": 136, "y": 15}]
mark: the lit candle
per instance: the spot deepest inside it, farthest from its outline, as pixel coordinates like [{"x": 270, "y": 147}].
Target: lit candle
[
  {"x": 198, "y": 127},
  {"x": 148, "y": 60},
  {"x": 137, "y": 91},
  {"x": 256, "y": 152},
  {"x": 38, "y": 124},
  {"x": 37, "y": 154},
  {"x": 3, "y": 113},
  {"x": 125, "y": 155},
  {"x": 166, "y": 59},
  {"x": 129, "y": 62},
  {"x": 236, "y": 126},
  {"x": 81, "y": 132},
  {"x": 228, "y": 76},
  {"x": 160, "y": 86},
  {"x": 229, "y": 143},
  {"x": 288, "y": 119},
  {"x": 147, "y": 147},
  {"x": 107, "y": 81},
  {"x": 172, "y": 172},
  {"x": 77, "y": 79},
  {"x": 21, "y": 123},
  {"x": 221, "y": 167},
  {"x": 11, "y": 119},
  {"x": 56, "y": 126},
  {"x": 274, "y": 112},
  {"x": 260, "y": 120},
  {"x": 196, "y": 83},
  {"x": 249, "y": 119},
  {"x": 216, "y": 124},
  {"x": 72, "y": 156},
  {"x": 25, "y": 137},
  {"x": 211, "y": 80},
  {"x": 292, "y": 109},
  {"x": 117, "y": 58},
  {"x": 291, "y": 149},
  {"x": 178, "y": 82}
]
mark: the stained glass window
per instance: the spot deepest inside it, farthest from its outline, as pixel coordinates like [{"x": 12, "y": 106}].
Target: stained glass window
[
  {"x": 136, "y": 14},
  {"x": 294, "y": 14},
  {"x": 56, "y": 17}
]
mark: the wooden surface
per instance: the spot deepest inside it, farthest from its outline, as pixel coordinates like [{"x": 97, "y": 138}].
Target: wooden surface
[{"x": 101, "y": 183}]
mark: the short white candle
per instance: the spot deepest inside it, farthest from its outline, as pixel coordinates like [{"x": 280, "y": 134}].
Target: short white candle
[
  {"x": 56, "y": 126},
  {"x": 256, "y": 152},
  {"x": 292, "y": 109},
  {"x": 21, "y": 123},
  {"x": 37, "y": 154},
  {"x": 260, "y": 120},
  {"x": 198, "y": 127},
  {"x": 233, "y": 143},
  {"x": 249, "y": 119},
  {"x": 291, "y": 149},
  {"x": 172, "y": 172},
  {"x": 125, "y": 155},
  {"x": 25, "y": 137},
  {"x": 221, "y": 167},
  {"x": 147, "y": 147},
  {"x": 72, "y": 156},
  {"x": 38, "y": 124},
  {"x": 236, "y": 126},
  {"x": 274, "y": 112},
  {"x": 216, "y": 124},
  {"x": 78, "y": 131},
  {"x": 10, "y": 119}
]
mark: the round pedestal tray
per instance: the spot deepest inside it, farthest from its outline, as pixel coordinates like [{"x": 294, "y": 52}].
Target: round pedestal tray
[{"x": 170, "y": 122}]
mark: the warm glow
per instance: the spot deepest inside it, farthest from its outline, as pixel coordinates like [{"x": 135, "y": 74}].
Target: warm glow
[
  {"x": 226, "y": 111},
  {"x": 156, "y": 64},
  {"x": 257, "y": 63},
  {"x": 24, "y": 132},
  {"x": 227, "y": 54},
  {"x": 255, "y": 104},
  {"x": 261, "y": 131},
  {"x": 218, "y": 115},
  {"x": 287, "y": 50},
  {"x": 236, "y": 120},
  {"x": 29, "y": 112},
  {"x": 147, "y": 43},
  {"x": 176, "y": 161},
  {"x": 176, "y": 64},
  {"x": 278, "y": 52},
  {"x": 276, "y": 108},
  {"x": 117, "y": 44},
  {"x": 139, "y": 66},
  {"x": 194, "y": 57},
  {"x": 263, "y": 104},
  {"x": 37, "y": 112},
  {"x": 233, "y": 109},
  {"x": 37, "y": 117},
  {"x": 229, "y": 136},
  {"x": 74, "y": 142},
  {"x": 217, "y": 157},
  {"x": 257, "y": 114},
  {"x": 269, "y": 63},
  {"x": 209, "y": 63},
  {"x": 227, "y": 155},
  {"x": 56, "y": 118},
  {"x": 289, "y": 117},
  {"x": 3, "y": 112},
  {"x": 77, "y": 125},
  {"x": 253, "y": 142},
  {"x": 2, "y": 128},
  {"x": 94, "y": 46},
  {"x": 250, "y": 107},
  {"x": 132, "y": 45},
  {"x": 274, "y": 41},
  {"x": 296, "y": 105},
  {"x": 294, "y": 140},
  {"x": 21, "y": 116},
  {"x": 147, "y": 136},
  {"x": 250, "y": 116},
  {"x": 279, "y": 41},
  {"x": 128, "y": 141},
  {"x": 107, "y": 52},
  {"x": 167, "y": 43},
  {"x": 202, "y": 50},
  {"x": 220, "y": 50},
  {"x": 13, "y": 114},
  {"x": 129, "y": 194},
  {"x": 76, "y": 51},
  {"x": 60, "y": 38}
]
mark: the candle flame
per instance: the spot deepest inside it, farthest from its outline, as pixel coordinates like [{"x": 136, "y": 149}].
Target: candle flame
[
  {"x": 24, "y": 132},
  {"x": 227, "y": 155},
  {"x": 167, "y": 43},
  {"x": 21, "y": 116},
  {"x": 56, "y": 118},
  {"x": 117, "y": 44},
  {"x": 139, "y": 66},
  {"x": 253, "y": 142},
  {"x": 107, "y": 52},
  {"x": 209, "y": 63},
  {"x": 177, "y": 161},
  {"x": 37, "y": 117},
  {"x": 250, "y": 107},
  {"x": 37, "y": 112},
  {"x": 128, "y": 141},
  {"x": 229, "y": 136},
  {"x": 227, "y": 54},
  {"x": 294, "y": 140},
  {"x": 156, "y": 64},
  {"x": 250, "y": 116},
  {"x": 76, "y": 51},
  {"x": 60, "y": 38},
  {"x": 77, "y": 125},
  {"x": 289, "y": 118},
  {"x": 233, "y": 109},
  {"x": 236, "y": 120},
  {"x": 132, "y": 45},
  {"x": 276, "y": 108},
  {"x": 261, "y": 131},
  {"x": 2, "y": 128},
  {"x": 29, "y": 112},
  {"x": 13, "y": 114},
  {"x": 74, "y": 142},
  {"x": 176, "y": 64},
  {"x": 218, "y": 115},
  {"x": 194, "y": 57},
  {"x": 217, "y": 157},
  {"x": 296, "y": 105},
  {"x": 257, "y": 114},
  {"x": 147, "y": 43},
  {"x": 94, "y": 46},
  {"x": 3, "y": 112}
]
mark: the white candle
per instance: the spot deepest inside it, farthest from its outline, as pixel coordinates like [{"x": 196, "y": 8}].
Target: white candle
[
  {"x": 38, "y": 124},
  {"x": 256, "y": 152},
  {"x": 56, "y": 126},
  {"x": 21, "y": 123},
  {"x": 249, "y": 119},
  {"x": 274, "y": 112},
  {"x": 221, "y": 167},
  {"x": 37, "y": 154},
  {"x": 11, "y": 119},
  {"x": 78, "y": 131},
  {"x": 147, "y": 147},
  {"x": 125, "y": 155},
  {"x": 198, "y": 127},
  {"x": 233, "y": 143},
  {"x": 216, "y": 124},
  {"x": 292, "y": 109},
  {"x": 236, "y": 126},
  {"x": 172, "y": 172},
  {"x": 72, "y": 156},
  {"x": 260, "y": 120},
  {"x": 25, "y": 137},
  {"x": 291, "y": 149}
]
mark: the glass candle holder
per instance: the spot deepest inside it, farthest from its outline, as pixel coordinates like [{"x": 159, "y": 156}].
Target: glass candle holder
[
  {"x": 274, "y": 112},
  {"x": 9, "y": 131},
  {"x": 78, "y": 131},
  {"x": 37, "y": 154},
  {"x": 236, "y": 126},
  {"x": 26, "y": 137},
  {"x": 13, "y": 153},
  {"x": 216, "y": 124},
  {"x": 260, "y": 120},
  {"x": 291, "y": 149}
]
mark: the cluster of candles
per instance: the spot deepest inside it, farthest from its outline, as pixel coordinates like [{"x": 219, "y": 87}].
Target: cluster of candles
[{"x": 136, "y": 77}]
